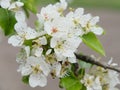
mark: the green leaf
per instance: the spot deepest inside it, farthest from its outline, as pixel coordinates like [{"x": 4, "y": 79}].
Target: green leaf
[
  {"x": 28, "y": 43},
  {"x": 30, "y": 5},
  {"x": 84, "y": 64},
  {"x": 7, "y": 21},
  {"x": 25, "y": 79},
  {"x": 46, "y": 2},
  {"x": 70, "y": 83},
  {"x": 91, "y": 40}
]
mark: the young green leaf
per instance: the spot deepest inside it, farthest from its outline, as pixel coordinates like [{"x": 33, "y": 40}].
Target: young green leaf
[
  {"x": 25, "y": 79},
  {"x": 70, "y": 83},
  {"x": 91, "y": 40},
  {"x": 30, "y": 5},
  {"x": 7, "y": 21},
  {"x": 84, "y": 64}
]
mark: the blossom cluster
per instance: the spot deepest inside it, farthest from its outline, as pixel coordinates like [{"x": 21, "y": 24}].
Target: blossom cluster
[
  {"x": 102, "y": 79},
  {"x": 50, "y": 47},
  {"x": 8, "y": 4}
]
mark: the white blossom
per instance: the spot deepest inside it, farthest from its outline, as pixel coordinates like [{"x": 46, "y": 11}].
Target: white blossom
[
  {"x": 76, "y": 15},
  {"x": 113, "y": 78},
  {"x": 47, "y": 13},
  {"x": 15, "y": 6},
  {"x": 20, "y": 16},
  {"x": 58, "y": 27},
  {"x": 65, "y": 48},
  {"x": 53, "y": 43},
  {"x": 23, "y": 31},
  {"x": 48, "y": 51},
  {"x": 16, "y": 40},
  {"x": 97, "y": 30},
  {"x": 110, "y": 63},
  {"x": 61, "y": 6},
  {"x": 38, "y": 51},
  {"x": 56, "y": 69},
  {"x": 5, "y": 3},
  {"x": 38, "y": 69},
  {"x": 92, "y": 82},
  {"x": 22, "y": 57}
]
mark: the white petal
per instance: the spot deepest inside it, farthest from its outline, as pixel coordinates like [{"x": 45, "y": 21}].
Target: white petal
[
  {"x": 16, "y": 40},
  {"x": 59, "y": 56},
  {"x": 20, "y": 27},
  {"x": 79, "y": 11},
  {"x": 43, "y": 40},
  {"x": 110, "y": 61},
  {"x": 20, "y": 16},
  {"x": 94, "y": 20},
  {"x": 44, "y": 66},
  {"x": 33, "y": 61},
  {"x": 47, "y": 12},
  {"x": 57, "y": 67},
  {"x": 63, "y": 4},
  {"x": 53, "y": 42},
  {"x": 85, "y": 19},
  {"x": 97, "y": 30},
  {"x": 41, "y": 33},
  {"x": 15, "y": 5},
  {"x": 48, "y": 27},
  {"x": 30, "y": 33},
  {"x": 19, "y": 4},
  {"x": 40, "y": 18},
  {"x": 48, "y": 51},
  {"x": 20, "y": 67},
  {"x": 5, "y": 3},
  {"x": 70, "y": 15},
  {"x": 26, "y": 70},
  {"x": 72, "y": 59},
  {"x": 72, "y": 43},
  {"x": 68, "y": 53},
  {"x": 37, "y": 80},
  {"x": 38, "y": 52},
  {"x": 27, "y": 49}
]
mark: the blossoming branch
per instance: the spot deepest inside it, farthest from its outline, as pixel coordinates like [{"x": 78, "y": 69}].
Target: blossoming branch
[{"x": 50, "y": 47}]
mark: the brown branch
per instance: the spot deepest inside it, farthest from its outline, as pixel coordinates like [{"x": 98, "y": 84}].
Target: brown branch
[{"x": 90, "y": 60}]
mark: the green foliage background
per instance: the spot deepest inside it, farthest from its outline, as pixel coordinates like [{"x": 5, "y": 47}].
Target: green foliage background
[{"x": 109, "y": 4}]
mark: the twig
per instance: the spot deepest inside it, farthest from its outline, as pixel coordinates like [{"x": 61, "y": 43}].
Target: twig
[{"x": 89, "y": 59}]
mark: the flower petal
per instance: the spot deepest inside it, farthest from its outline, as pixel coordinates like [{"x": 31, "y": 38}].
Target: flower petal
[
  {"x": 44, "y": 66},
  {"x": 53, "y": 42},
  {"x": 20, "y": 16},
  {"x": 43, "y": 40},
  {"x": 5, "y": 3},
  {"x": 37, "y": 80},
  {"x": 26, "y": 70},
  {"x": 20, "y": 27},
  {"x": 30, "y": 33},
  {"x": 97, "y": 30},
  {"x": 38, "y": 52},
  {"x": 16, "y": 40},
  {"x": 15, "y": 6},
  {"x": 48, "y": 51},
  {"x": 57, "y": 67},
  {"x": 72, "y": 59},
  {"x": 94, "y": 20},
  {"x": 27, "y": 49}
]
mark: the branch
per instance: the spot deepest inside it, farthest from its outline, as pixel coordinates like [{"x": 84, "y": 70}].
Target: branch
[{"x": 90, "y": 60}]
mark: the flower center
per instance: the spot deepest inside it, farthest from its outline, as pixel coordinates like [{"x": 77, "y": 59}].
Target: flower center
[
  {"x": 54, "y": 30},
  {"x": 46, "y": 16},
  {"x": 36, "y": 69}
]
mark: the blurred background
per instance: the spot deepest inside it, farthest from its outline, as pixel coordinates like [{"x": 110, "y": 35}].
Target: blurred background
[{"x": 109, "y": 12}]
